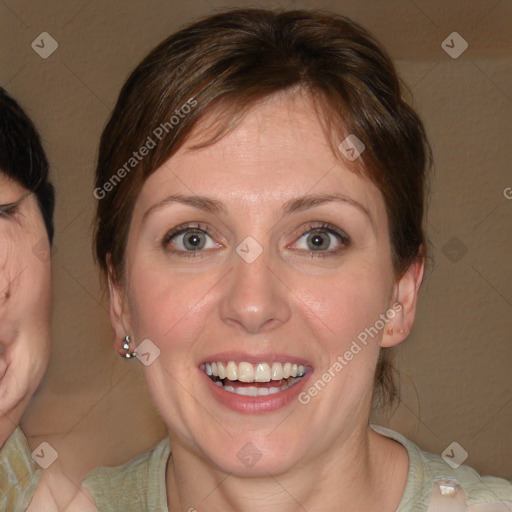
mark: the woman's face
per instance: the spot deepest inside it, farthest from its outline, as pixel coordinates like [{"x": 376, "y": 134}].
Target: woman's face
[
  {"x": 25, "y": 298},
  {"x": 236, "y": 254}
]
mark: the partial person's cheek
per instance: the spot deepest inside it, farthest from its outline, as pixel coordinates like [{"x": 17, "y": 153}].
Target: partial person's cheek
[
  {"x": 14, "y": 271},
  {"x": 7, "y": 329},
  {"x": 6, "y": 253}
]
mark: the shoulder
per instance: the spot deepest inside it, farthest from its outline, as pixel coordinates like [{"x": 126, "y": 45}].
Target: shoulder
[
  {"x": 476, "y": 489},
  {"x": 25, "y": 487},
  {"x": 432, "y": 479},
  {"x": 20, "y": 475},
  {"x": 139, "y": 484}
]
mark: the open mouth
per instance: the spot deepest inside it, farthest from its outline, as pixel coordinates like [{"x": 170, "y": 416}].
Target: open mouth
[{"x": 249, "y": 379}]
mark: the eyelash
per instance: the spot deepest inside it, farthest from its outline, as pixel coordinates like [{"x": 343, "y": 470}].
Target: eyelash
[
  {"x": 184, "y": 228},
  {"x": 9, "y": 210},
  {"x": 342, "y": 237}
]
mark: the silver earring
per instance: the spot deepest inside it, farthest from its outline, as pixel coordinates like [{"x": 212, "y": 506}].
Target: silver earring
[{"x": 126, "y": 346}]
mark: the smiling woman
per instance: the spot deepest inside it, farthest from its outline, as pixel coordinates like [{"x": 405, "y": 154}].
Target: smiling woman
[
  {"x": 269, "y": 248},
  {"x": 26, "y": 232}
]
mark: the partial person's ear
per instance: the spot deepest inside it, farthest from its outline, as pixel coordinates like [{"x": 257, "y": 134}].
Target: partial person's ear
[
  {"x": 404, "y": 305},
  {"x": 119, "y": 313}
]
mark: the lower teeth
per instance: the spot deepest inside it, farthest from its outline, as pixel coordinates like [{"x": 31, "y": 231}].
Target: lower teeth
[{"x": 255, "y": 391}]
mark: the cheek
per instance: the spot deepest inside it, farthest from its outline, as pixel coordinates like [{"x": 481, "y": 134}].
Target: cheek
[
  {"x": 38, "y": 288},
  {"x": 344, "y": 305},
  {"x": 168, "y": 307},
  {"x": 25, "y": 287},
  {"x": 347, "y": 327},
  {"x": 14, "y": 267}
]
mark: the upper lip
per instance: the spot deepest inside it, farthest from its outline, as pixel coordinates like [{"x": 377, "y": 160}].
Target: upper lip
[{"x": 272, "y": 357}]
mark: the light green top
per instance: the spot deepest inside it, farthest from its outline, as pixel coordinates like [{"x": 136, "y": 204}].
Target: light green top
[
  {"x": 139, "y": 485},
  {"x": 19, "y": 475}
]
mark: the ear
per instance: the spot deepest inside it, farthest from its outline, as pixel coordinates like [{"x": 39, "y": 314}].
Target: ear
[
  {"x": 119, "y": 313},
  {"x": 405, "y": 298}
]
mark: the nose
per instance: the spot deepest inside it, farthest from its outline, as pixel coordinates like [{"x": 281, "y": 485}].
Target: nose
[{"x": 255, "y": 298}]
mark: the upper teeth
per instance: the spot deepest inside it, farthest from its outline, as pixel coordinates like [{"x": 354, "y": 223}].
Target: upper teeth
[{"x": 248, "y": 372}]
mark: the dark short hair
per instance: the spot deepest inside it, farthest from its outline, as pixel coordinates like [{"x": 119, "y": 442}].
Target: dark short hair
[
  {"x": 22, "y": 157},
  {"x": 227, "y": 63}
]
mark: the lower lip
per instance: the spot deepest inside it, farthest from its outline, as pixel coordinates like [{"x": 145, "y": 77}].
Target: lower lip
[{"x": 255, "y": 404}]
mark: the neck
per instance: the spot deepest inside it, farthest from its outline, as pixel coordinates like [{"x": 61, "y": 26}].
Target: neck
[{"x": 363, "y": 471}]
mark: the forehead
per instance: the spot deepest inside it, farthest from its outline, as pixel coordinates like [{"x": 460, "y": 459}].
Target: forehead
[{"x": 278, "y": 151}]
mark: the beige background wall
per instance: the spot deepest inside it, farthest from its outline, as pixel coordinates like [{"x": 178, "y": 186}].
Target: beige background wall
[{"x": 456, "y": 366}]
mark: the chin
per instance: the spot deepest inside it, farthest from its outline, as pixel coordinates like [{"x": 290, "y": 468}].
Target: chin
[{"x": 257, "y": 456}]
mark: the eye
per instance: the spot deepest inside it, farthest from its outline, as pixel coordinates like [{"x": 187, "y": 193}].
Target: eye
[
  {"x": 324, "y": 240},
  {"x": 185, "y": 240},
  {"x": 9, "y": 210}
]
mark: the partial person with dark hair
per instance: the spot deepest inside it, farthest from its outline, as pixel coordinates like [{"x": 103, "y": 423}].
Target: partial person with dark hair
[
  {"x": 261, "y": 189},
  {"x": 26, "y": 231}
]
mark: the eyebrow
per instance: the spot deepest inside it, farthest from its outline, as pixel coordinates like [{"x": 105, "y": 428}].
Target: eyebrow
[
  {"x": 310, "y": 201},
  {"x": 207, "y": 204},
  {"x": 297, "y": 204}
]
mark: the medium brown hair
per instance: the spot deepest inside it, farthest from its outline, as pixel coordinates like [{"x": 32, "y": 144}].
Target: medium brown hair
[{"x": 225, "y": 64}]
